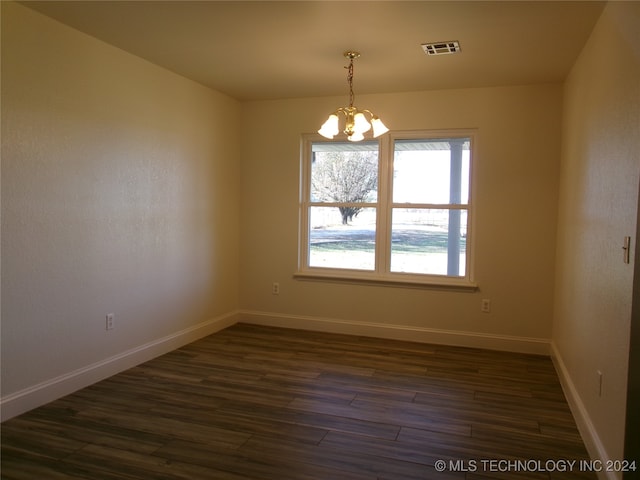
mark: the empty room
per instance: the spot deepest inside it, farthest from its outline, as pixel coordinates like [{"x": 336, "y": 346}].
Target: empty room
[{"x": 368, "y": 240}]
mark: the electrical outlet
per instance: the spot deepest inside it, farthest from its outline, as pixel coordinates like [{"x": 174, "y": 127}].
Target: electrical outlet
[
  {"x": 275, "y": 288},
  {"x": 109, "y": 321},
  {"x": 485, "y": 306}
]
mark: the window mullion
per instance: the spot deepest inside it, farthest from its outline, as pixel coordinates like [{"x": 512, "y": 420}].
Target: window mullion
[
  {"x": 383, "y": 230},
  {"x": 343, "y": 204},
  {"x": 435, "y": 206}
]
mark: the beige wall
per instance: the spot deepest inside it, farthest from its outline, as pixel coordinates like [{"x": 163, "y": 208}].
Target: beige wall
[
  {"x": 598, "y": 204},
  {"x": 120, "y": 185},
  {"x": 517, "y": 180}
]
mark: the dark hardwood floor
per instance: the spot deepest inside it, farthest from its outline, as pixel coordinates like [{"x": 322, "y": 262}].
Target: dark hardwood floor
[{"x": 255, "y": 402}]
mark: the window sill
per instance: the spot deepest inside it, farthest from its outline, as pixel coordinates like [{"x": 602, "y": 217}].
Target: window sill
[{"x": 395, "y": 280}]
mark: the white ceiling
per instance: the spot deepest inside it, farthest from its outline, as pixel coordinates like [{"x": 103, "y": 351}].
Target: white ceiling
[{"x": 271, "y": 50}]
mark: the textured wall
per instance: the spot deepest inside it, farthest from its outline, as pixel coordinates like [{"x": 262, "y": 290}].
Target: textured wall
[
  {"x": 120, "y": 185},
  {"x": 598, "y": 204}
]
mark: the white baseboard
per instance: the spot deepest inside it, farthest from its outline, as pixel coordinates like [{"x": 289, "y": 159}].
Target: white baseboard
[
  {"x": 589, "y": 434},
  {"x": 539, "y": 346},
  {"x": 19, "y": 402},
  {"x": 24, "y": 400}
]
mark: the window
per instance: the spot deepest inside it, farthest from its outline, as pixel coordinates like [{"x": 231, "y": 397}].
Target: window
[{"x": 395, "y": 209}]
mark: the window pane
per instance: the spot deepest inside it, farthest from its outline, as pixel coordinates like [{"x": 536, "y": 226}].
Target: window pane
[
  {"x": 334, "y": 244},
  {"x": 431, "y": 171},
  {"x": 344, "y": 172},
  {"x": 429, "y": 241}
]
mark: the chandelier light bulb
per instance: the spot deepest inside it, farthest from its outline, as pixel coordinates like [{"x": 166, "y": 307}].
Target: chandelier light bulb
[
  {"x": 360, "y": 123},
  {"x": 330, "y": 128},
  {"x": 379, "y": 128}
]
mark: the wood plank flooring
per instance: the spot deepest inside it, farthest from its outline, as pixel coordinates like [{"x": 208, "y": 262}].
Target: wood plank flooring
[{"x": 254, "y": 402}]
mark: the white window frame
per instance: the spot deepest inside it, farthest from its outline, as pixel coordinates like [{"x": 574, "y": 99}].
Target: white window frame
[{"x": 384, "y": 204}]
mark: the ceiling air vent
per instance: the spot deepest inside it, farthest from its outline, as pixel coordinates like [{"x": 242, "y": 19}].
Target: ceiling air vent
[{"x": 441, "y": 48}]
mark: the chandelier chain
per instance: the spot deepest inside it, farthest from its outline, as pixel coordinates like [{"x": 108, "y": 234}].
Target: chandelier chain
[{"x": 350, "y": 80}]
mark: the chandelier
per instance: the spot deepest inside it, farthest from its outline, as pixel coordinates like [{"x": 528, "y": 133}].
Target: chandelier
[{"x": 356, "y": 123}]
